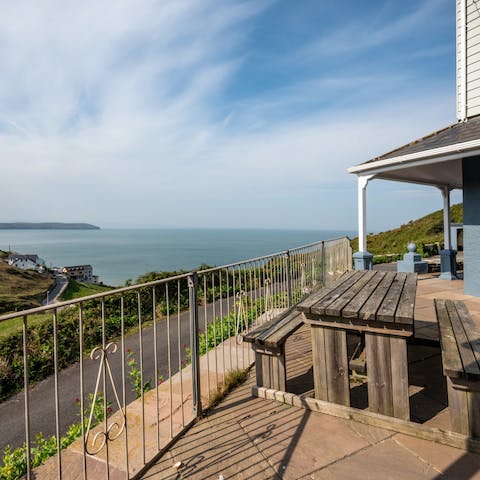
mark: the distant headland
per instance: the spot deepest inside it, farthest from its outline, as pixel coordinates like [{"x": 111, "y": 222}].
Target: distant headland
[{"x": 47, "y": 226}]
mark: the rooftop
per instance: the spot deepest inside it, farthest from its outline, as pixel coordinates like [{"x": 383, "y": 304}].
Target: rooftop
[
  {"x": 459, "y": 133},
  {"x": 418, "y": 161}
]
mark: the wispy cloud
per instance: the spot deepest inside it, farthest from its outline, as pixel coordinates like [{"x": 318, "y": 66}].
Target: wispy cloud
[
  {"x": 371, "y": 31},
  {"x": 120, "y": 113}
]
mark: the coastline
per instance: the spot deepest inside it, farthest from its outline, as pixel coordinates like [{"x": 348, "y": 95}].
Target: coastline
[{"x": 121, "y": 254}]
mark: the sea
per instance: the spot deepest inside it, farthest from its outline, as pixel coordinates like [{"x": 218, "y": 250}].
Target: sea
[{"x": 120, "y": 254}]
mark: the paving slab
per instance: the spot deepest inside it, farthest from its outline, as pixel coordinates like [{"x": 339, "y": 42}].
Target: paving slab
[
  {"x": 453, "y": 463},
  {"x": 388, "y": 460},
  {"x": 226, "y": 451},
  {"x": 286, "y": 439}
]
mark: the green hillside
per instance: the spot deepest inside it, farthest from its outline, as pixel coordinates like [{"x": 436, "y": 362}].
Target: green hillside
[
  {"x": 80, "y": 289},
  {"x": 425, "y": 230},
  {"x": 20, "y": 289}
]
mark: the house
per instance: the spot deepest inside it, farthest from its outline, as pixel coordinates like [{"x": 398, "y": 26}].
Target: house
[
  {"x": 447, "y": 159},
  {"x": 26, "y": 262},
  {"x": 81, "y": 273}
]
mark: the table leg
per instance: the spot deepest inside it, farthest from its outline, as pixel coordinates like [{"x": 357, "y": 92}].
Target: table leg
[
  {"x": 330, "y": 364},
  {"x": 270, "y": 368},
  {"x": 464, "y": 406},
  {"x": 387, "y": 371}
]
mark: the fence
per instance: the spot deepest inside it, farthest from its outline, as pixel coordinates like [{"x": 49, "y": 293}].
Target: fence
[{"x": 157, "y": 354}]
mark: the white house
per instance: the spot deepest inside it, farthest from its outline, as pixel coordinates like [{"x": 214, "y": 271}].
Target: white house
[{"x": 27, "y": 262}]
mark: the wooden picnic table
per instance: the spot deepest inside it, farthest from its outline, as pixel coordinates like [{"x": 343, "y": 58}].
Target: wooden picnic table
[{"x": 380, "y": 304}]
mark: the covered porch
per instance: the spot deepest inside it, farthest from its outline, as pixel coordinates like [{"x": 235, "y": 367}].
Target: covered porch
[{"x": 448, "y": 159}]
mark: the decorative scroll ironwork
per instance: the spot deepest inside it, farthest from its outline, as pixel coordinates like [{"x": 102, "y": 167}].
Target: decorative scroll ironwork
[
  {"x": 268, "y": 300},
  {"x": 314, "y": 272},
  {"x": 113, "y": 431},
  {"x": 303, "y": 278},
  {"x": 241, "y": 315}
]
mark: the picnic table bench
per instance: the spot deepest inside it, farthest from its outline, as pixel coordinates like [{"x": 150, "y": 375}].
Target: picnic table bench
[
  {"x": 380, "y": 304},
  {"x": 460, "y": 345},
  {"x": 268, "y": 341}
]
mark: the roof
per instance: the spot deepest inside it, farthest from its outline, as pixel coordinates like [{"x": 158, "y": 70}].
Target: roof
[
  {"x": 419, "y": 161},
  {"x": 456, "y": 133},
  {"x": 17, "y": 256},
  {"x": 77, "y": 267}
]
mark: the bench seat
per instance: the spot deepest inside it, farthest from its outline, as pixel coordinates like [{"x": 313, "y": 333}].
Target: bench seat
[
  {"x": 268, "y": 342},
  {"x": 460, "y": 345}
]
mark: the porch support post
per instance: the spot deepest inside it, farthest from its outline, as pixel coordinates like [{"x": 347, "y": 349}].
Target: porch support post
[
  {"x": 362, "y": 259},
  {"x": 448, "y": 256}
]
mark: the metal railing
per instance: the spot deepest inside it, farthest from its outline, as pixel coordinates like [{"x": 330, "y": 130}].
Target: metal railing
[{"x": 143, "y": 360}]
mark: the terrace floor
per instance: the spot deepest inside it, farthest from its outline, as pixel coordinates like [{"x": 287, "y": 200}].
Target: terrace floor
[{"x": 251, "y": 438}]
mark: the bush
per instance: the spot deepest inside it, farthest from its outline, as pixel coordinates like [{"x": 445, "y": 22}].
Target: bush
[
  {"x": 14, "y": 462},
  {"x": 40, "y": 345}
]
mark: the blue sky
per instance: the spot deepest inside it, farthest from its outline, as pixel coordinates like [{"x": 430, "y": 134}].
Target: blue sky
[{"x": 207, "y": 113}]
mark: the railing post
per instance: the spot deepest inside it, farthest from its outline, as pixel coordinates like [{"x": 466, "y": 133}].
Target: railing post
[
  {"x": 194, "y": 344},
  {"x": 349, "y": 255},
  {"x": 323, "y": 263},
  {"x": 289, "y": 280},
  {"x": 26, "y": 383}
]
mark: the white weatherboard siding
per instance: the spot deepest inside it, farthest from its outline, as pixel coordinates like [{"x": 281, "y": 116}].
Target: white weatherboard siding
[
  {"x": 468, "y": 58},
  {"x": 459, "y": 63}
]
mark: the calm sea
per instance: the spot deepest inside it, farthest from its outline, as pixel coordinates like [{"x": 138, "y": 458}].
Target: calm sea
[{"x": 121, "y": 254}]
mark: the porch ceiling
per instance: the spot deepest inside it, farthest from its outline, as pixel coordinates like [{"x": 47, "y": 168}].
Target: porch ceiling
[
  {"x": 446, "y": 173},
  {"x": 435, "y": 159}
]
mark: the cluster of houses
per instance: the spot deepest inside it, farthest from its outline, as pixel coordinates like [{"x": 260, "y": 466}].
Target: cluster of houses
[{"x": 80, "y": 273}]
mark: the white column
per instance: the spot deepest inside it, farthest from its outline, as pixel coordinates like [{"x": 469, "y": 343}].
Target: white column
[
  {"x": 447, "y": 238},
  {"x": 362, "y": 212}
]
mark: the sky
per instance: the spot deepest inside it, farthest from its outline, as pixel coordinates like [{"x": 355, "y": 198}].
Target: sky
[{"x": 202, "y": 113}]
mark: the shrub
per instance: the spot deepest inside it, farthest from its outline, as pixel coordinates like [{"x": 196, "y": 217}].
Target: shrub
[{"x": 14, "y": 462}]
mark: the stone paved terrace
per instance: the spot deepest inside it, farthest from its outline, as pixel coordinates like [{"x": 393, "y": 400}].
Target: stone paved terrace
[{"x": 250, "y": 438}]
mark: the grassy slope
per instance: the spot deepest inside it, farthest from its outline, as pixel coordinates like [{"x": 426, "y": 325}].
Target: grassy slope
[
  {"x": 78, "y": 289},
  {"x": 428, "y": 229},
  {"x": 74, "y": 290},
  {"x": 20, "y": 289}
]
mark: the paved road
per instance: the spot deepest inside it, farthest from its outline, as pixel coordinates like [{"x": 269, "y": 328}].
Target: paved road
[
  {"x": 61, "y": 282},
  {"x": 42, "y": 400}
]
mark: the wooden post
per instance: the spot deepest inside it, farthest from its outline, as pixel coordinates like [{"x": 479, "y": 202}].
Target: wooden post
[
  {"x": 387, "y": 371},
  {"x": 330, "y": 364},
  {"x": 464, "y": 406},
  {"x": 270, "y": 367}
]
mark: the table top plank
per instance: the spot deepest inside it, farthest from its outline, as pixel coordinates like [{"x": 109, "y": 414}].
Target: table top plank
[
  {"x": 451, "y": 362},
  {"x": 320, "y": 307},
  {"x": 280, "y": 335},
  {"x": 412, "y": 279},
  {"x": 472, "y": 329},
  {"x": 306, "y": 304},
  {"x": 386, "y": 311},
  {"x": 278, "y": 322},
  {"x": 469, "y": 361},
  {"x": 336, "y": 307},
  {"x": 369, "y": 309},
  {"x": 366, "y": 296},
  {"x": 352, "y": 309},
  {"x": 406, "y": 305}
]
